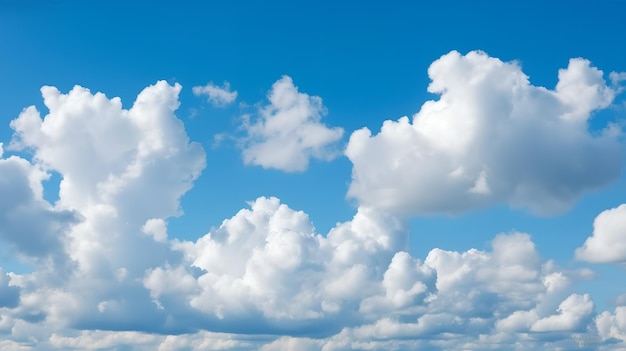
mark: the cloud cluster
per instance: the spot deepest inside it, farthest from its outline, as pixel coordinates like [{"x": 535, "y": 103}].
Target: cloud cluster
[
  {"x": 267, "y": 264},
  {"x": 268, "y": 267},
  {"x": 289, "y": 131},
  {"x": 267, "y": 271},
  {"x": 108, "y": 273},
  {"x": 490, "y": 137},
  {"x": 218, "y": 96}
]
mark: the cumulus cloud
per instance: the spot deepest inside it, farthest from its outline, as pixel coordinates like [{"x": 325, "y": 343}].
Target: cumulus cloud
[
  {"x": 123, "y": 172},
  {"x": 268, "y": 264},
  {"x": 109, "y": 275},
  {"x": 612, "y": 325},
  {"x": 608, "y": 242},
  {"x": 268, "y": 267},
  {"x": 289, "y": 131},
  {"x": 491, "y": 137},
  {"x": 483, "y": 300},
  {"x": 573, "y": 312},
  {"x": 218, "y": 96},
  {"x": 157, "y": 228},
  {"x": 478, "y": 282}
]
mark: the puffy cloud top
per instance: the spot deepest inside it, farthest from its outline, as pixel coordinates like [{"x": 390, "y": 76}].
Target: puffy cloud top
[
  {"x": 490, "y": 137},
  {"x": 289, "y": 131},
  {"x": 608, "y": 242},
  {"x": 123, "y": 172}
]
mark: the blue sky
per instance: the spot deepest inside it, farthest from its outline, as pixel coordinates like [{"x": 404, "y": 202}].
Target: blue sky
[{"x": 224, "y": 194}]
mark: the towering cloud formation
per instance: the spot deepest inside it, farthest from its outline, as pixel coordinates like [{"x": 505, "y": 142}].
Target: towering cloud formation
[
  {"x": 490, "y": 137},
  {"x": 122, "y": 171}
]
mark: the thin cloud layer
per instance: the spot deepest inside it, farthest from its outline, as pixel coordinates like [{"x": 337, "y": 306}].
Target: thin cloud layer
[
  {"x": 289, "y": 131},
  {"x": 218, "y": 96},
  {"x": 491, "y": 137}
]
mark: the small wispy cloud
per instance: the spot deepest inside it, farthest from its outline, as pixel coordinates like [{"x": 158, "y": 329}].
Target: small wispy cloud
[{"x": 217, "y": 96}]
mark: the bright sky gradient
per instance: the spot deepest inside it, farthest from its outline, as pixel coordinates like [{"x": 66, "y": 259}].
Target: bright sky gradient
[{"x": 312, "y": 175}]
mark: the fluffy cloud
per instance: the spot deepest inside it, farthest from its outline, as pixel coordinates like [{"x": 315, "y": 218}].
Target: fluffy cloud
[
  {"x": 573, "y": 312},
  {"x": 218, "y": 96},
  {"x": 265, "y": 274},
  {"x": 289, "y": 131},
  {"x": 490, "y": 137},
  {"x": 612, "y": 325},
  {"x": 268, "y": 267},
  {"x": 608, "y": 242},
  {"x": 481, "y": 283},
  {"x": 123, "y": 172},
  {"x": 268, "y": 264}
]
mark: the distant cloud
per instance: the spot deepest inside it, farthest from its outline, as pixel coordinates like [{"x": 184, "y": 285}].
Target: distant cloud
[
  {"x": 218, "y": 96},
  {"x": 289, "y": 131},
  {"x": 608, "y": 242},
  {"x": 612, "y": 325},
  {"x": 491, "y": 137},
  {"x": 573, "y": 314},
  {"x": 267, "y": 265}
]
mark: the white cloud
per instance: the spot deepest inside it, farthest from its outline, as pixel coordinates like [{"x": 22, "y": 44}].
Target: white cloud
[
  {"x": 269, "y": 264},
  {"x": 479, "y": 282},
  {"x": 290, "y": 343},
  {"x": 204, "y": 340},
  {"x": 218, "y": 96},
  {"x": 14, "y": 346},
  {"x": 157, "y": 228},
  {"x": 97, "y": 340},
  {"x": 491, "y": 137},
  {"x": 573, "y": 314},
  {"x": 123, "y": 172},
  {"x": 612, "y": 325},
  {"x": 608, "y": 242},
  {"x": 111, "y": 278},
  {"x": 289, "y": 131}
]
